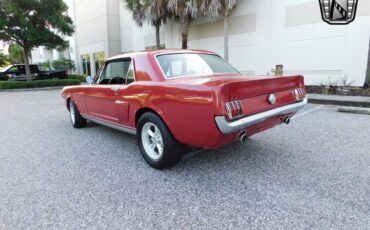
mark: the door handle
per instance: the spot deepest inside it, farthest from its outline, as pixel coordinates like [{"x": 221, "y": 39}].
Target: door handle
[{"x": 121, "y": 103}]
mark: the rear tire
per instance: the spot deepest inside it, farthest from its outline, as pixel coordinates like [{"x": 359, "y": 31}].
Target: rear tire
[
  {"x": 157, "y": 145},
  {"x": 77, "y": 120}
]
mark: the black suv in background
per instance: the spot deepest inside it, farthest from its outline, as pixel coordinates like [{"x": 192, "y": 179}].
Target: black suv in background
[{"x": 18, "y": 73}]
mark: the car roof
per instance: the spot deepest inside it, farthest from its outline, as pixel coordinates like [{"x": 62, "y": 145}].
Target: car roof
[
  {"x": 23, "y": 64},
  {"x": 158, "y": 52}
]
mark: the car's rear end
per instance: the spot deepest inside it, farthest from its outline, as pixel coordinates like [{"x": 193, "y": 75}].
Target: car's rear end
[
  {"x": 225, "y": 105},
  {"x": 252, "y": 105}
]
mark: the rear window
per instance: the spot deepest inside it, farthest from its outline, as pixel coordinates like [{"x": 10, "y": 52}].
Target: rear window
[
  {"x": 34, "y": 68},
  {"x": 192, "y": 64}
]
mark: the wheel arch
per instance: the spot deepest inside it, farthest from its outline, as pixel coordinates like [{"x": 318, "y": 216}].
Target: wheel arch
[
  {"x": 143, "y": 110},
  {"x": 68, "y": 100},
  {"x": 160, "y": 115}
]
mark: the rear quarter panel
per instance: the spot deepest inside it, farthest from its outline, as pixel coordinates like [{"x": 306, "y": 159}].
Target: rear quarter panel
[{"x": 188, "y": 111}]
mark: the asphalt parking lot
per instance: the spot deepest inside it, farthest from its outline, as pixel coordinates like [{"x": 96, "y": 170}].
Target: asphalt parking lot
[{"x": 312, "y": 174}]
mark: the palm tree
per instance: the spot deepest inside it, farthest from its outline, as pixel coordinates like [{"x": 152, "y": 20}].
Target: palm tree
[
  {"x": 186, "y": 11},
  {"x": 228, "y": 6},
  {"x": 137, "y": 7},
  {"x": 155, "y": 11},
  {"x": 225, "y": 8},
  {"x": 367, "y": 79}
]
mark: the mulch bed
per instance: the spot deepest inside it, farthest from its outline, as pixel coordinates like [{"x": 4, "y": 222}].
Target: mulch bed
[{"x": 336, "y": 90}]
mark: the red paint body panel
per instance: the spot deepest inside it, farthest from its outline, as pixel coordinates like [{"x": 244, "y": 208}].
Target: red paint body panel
[{"x": 188, "y": 105}]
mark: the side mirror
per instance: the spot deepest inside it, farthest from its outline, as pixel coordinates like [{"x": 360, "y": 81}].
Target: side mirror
[{"x": 89, "y": 80}]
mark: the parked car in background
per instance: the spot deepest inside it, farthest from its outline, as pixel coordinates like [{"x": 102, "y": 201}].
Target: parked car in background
[
  {"x": 18, "y": 73},
  {"x": 3, "y": 77},
  {"x": 176, "y": 98}
]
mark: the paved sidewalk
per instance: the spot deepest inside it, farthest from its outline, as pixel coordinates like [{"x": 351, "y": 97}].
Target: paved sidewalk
[
  {"x": 354, "y": 101},
  {"x": 32, "y": 89},
  {"x": 312, "y": 174}
]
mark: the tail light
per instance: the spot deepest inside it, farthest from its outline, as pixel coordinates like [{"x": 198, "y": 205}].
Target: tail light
[
  {"x": 234, "y": 109},
  {"x": 66, "y": 71},
  {"x": 300, "y": 94}
]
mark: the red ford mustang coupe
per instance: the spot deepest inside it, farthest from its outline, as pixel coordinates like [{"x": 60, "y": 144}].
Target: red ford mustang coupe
[{"x": 176, "y": 98}]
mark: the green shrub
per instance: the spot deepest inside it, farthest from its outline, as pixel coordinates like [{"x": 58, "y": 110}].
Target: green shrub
[
  {"x": 37, "y": 84},
  {"x": 63, "y": 64},
  {"x": 81, "y": 78},
  {"x": 44, "y": 66}
]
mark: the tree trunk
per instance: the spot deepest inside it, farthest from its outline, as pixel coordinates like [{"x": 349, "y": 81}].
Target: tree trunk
[
  {"x": 185, "y": 22},
  {"x": 226, "y": 30},
  {"x": 26, "y": 53},
  {"x": 157, "y": 35},
  {"x": 226, "y": 38},
  {"x": 367, "y": 78}
]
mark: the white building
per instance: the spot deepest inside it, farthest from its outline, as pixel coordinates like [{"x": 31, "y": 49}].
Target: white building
[
  {"x": 97, "y": 36},
  {"x": 263, "y": 33},
  {"x": 4, "y": 48},
  {"x": 43, "y": 54}
]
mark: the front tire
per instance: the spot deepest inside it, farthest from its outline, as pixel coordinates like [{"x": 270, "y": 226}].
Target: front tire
[
  {"x": 157, "y": 145},
  {"x": 77, "y": 120}
]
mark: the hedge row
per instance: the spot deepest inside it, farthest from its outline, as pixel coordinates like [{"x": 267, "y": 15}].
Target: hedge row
[
  {"x": 37, "y": 84},
  {"x": 81, "y": 78}
]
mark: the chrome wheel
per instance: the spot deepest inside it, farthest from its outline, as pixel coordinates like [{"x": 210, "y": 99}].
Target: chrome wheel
[
  {"x": 152, "y": 140},
  {"x": 72, "y": 112}
]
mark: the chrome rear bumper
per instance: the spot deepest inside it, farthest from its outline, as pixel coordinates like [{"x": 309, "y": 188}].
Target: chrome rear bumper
[{"x": 227, "y": 127}]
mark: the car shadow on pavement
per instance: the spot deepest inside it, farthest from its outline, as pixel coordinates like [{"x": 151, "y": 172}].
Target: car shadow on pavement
[
  {"x": 90, "y": 124},
  {"x": 252, "y": 153},
  {"x": 234, "y": 153}
]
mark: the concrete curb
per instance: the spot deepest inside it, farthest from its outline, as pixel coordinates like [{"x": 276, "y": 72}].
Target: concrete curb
[
  {"x": 353, "y": 101},
  {"x": 31, "y": 89},
  {"x": 362, "y": 111}
]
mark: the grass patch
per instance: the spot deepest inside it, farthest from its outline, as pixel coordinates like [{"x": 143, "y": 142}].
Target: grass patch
[
  {"x": 81, "y": 78},
  {"x": 37, "y": 84}
]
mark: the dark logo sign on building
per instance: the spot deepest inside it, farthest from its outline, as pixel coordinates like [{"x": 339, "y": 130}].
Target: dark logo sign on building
[{"x": 338, "y": 12}]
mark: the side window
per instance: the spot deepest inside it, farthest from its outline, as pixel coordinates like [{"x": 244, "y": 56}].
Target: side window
[
  {"x": 14, "y": 69},
  {"x": 34, "y": 68},
  {"x": 115, "y": 72},
  {"x": 130, "y": 74},
  {"x": 22, "y": 69}
]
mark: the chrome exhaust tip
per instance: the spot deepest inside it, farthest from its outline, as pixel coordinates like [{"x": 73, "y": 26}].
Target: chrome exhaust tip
[
  {"x": 242, "y": 137},
  {"x": 287, "y": 120}
]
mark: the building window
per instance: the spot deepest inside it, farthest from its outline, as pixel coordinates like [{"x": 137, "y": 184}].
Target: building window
[
  {"x": 99, "y": 58},
  {"x": 86, "y": 68},
  {"x": 61, "y": 55}
]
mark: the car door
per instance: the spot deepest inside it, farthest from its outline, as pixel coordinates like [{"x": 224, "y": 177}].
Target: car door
[
  {"x": 35, "y": 72},
  {"x": 124, "y": 97},
  {"x": 101, "y": 97},
  {"x": 22, "y": 72},
  {"x": 13, "y": 72}
]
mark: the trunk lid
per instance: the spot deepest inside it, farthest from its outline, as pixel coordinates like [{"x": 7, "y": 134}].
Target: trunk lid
[
  {"x": 257, "y": 86},
  {"x": 239, "y": 87},
  {"x": 251, "y": 91}
]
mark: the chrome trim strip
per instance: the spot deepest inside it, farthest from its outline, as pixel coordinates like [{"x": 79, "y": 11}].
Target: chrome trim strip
[
  {"x": 111, "y": 125},
  {"x": 120, "y": 102},
  {"x": 227, "y": 127}
]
